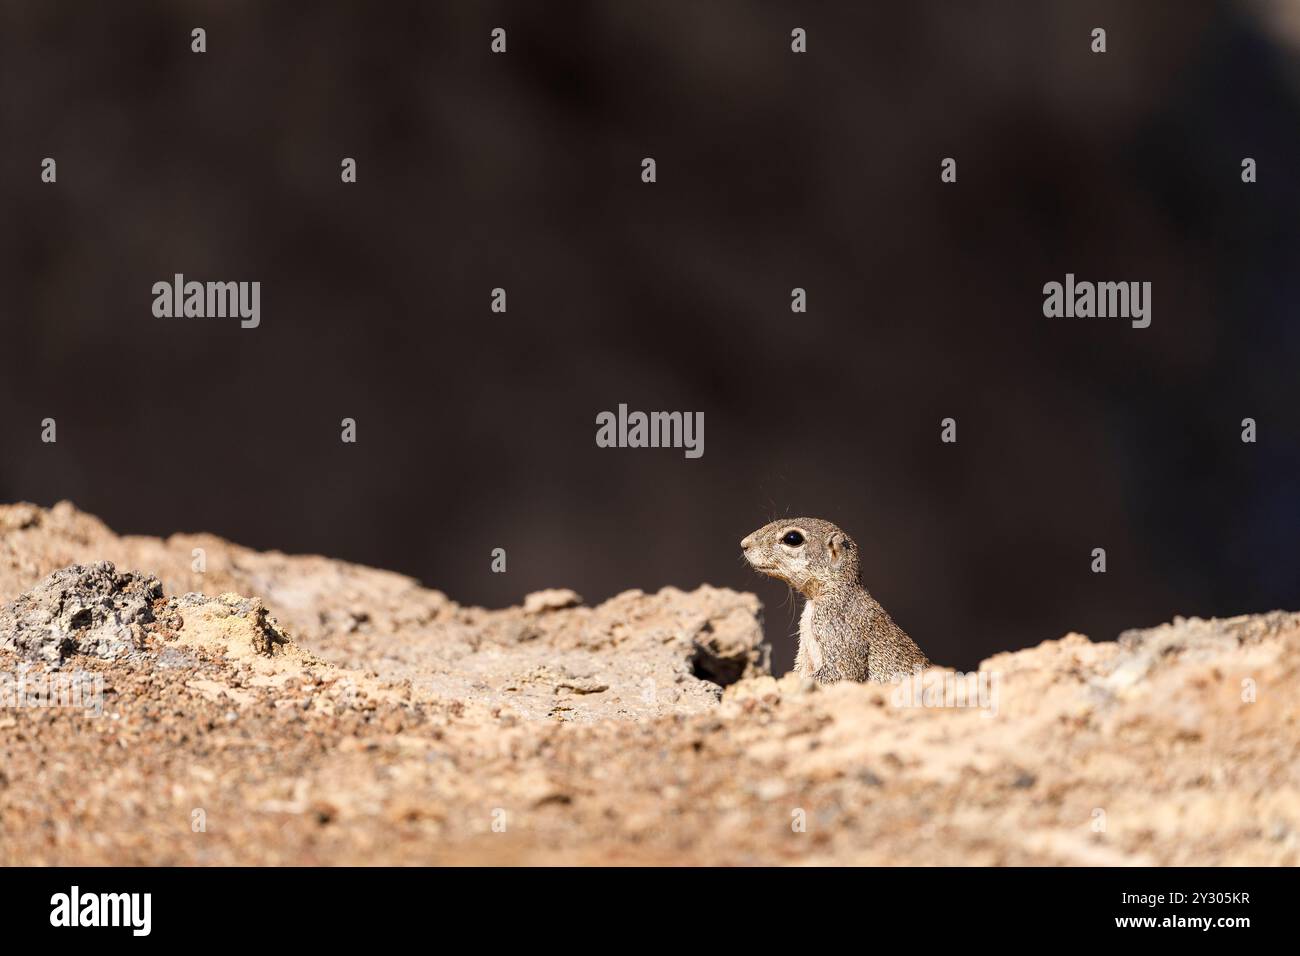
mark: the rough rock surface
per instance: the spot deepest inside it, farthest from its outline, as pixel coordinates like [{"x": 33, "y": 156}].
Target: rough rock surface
[
  {"x": 637, "y": 655},
  {"x": 81, "y": 610},
  {"x": 273, "y": 709}
]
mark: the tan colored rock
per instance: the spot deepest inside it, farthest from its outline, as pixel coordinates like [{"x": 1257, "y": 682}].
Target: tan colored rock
[
  {"x": 315, "y": 712},
  {"x": 553, "y": 599}
]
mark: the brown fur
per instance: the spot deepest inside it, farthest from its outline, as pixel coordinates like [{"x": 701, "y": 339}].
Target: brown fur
[{"x": 851, "y": 635}]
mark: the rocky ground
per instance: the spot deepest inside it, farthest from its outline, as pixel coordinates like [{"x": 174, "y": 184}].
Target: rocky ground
[{"x": 255, "y": 708}]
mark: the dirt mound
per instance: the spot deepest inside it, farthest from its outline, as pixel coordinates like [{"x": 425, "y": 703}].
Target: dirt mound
[
  {"x": 636, "y": 655},
  {"x": 268, "y": 709}
]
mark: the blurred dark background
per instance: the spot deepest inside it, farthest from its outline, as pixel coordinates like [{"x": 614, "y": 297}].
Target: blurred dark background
[{"x": 776, "y": 170}]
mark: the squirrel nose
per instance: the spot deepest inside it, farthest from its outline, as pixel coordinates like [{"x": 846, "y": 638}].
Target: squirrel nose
[{"x": 746, "y": 541}]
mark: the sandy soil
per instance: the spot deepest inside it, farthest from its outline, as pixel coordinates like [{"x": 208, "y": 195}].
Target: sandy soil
[{"x": 271, "y": 709}]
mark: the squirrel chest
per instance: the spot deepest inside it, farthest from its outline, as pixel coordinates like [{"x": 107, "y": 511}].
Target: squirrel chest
[{"x": 811, "y": 650}]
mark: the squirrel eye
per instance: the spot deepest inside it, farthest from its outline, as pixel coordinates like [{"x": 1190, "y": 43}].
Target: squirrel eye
[{"x": 793, "y": 539}]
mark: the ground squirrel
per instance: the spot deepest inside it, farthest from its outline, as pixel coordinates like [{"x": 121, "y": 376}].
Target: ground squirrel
[{"x": 844, "y": 633}]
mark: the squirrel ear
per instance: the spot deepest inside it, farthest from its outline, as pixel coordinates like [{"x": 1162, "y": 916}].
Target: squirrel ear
[{"x": 835, "y": 549}]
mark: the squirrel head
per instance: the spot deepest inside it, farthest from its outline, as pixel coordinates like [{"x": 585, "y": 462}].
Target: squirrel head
[{"x": 809, "y": 554}]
